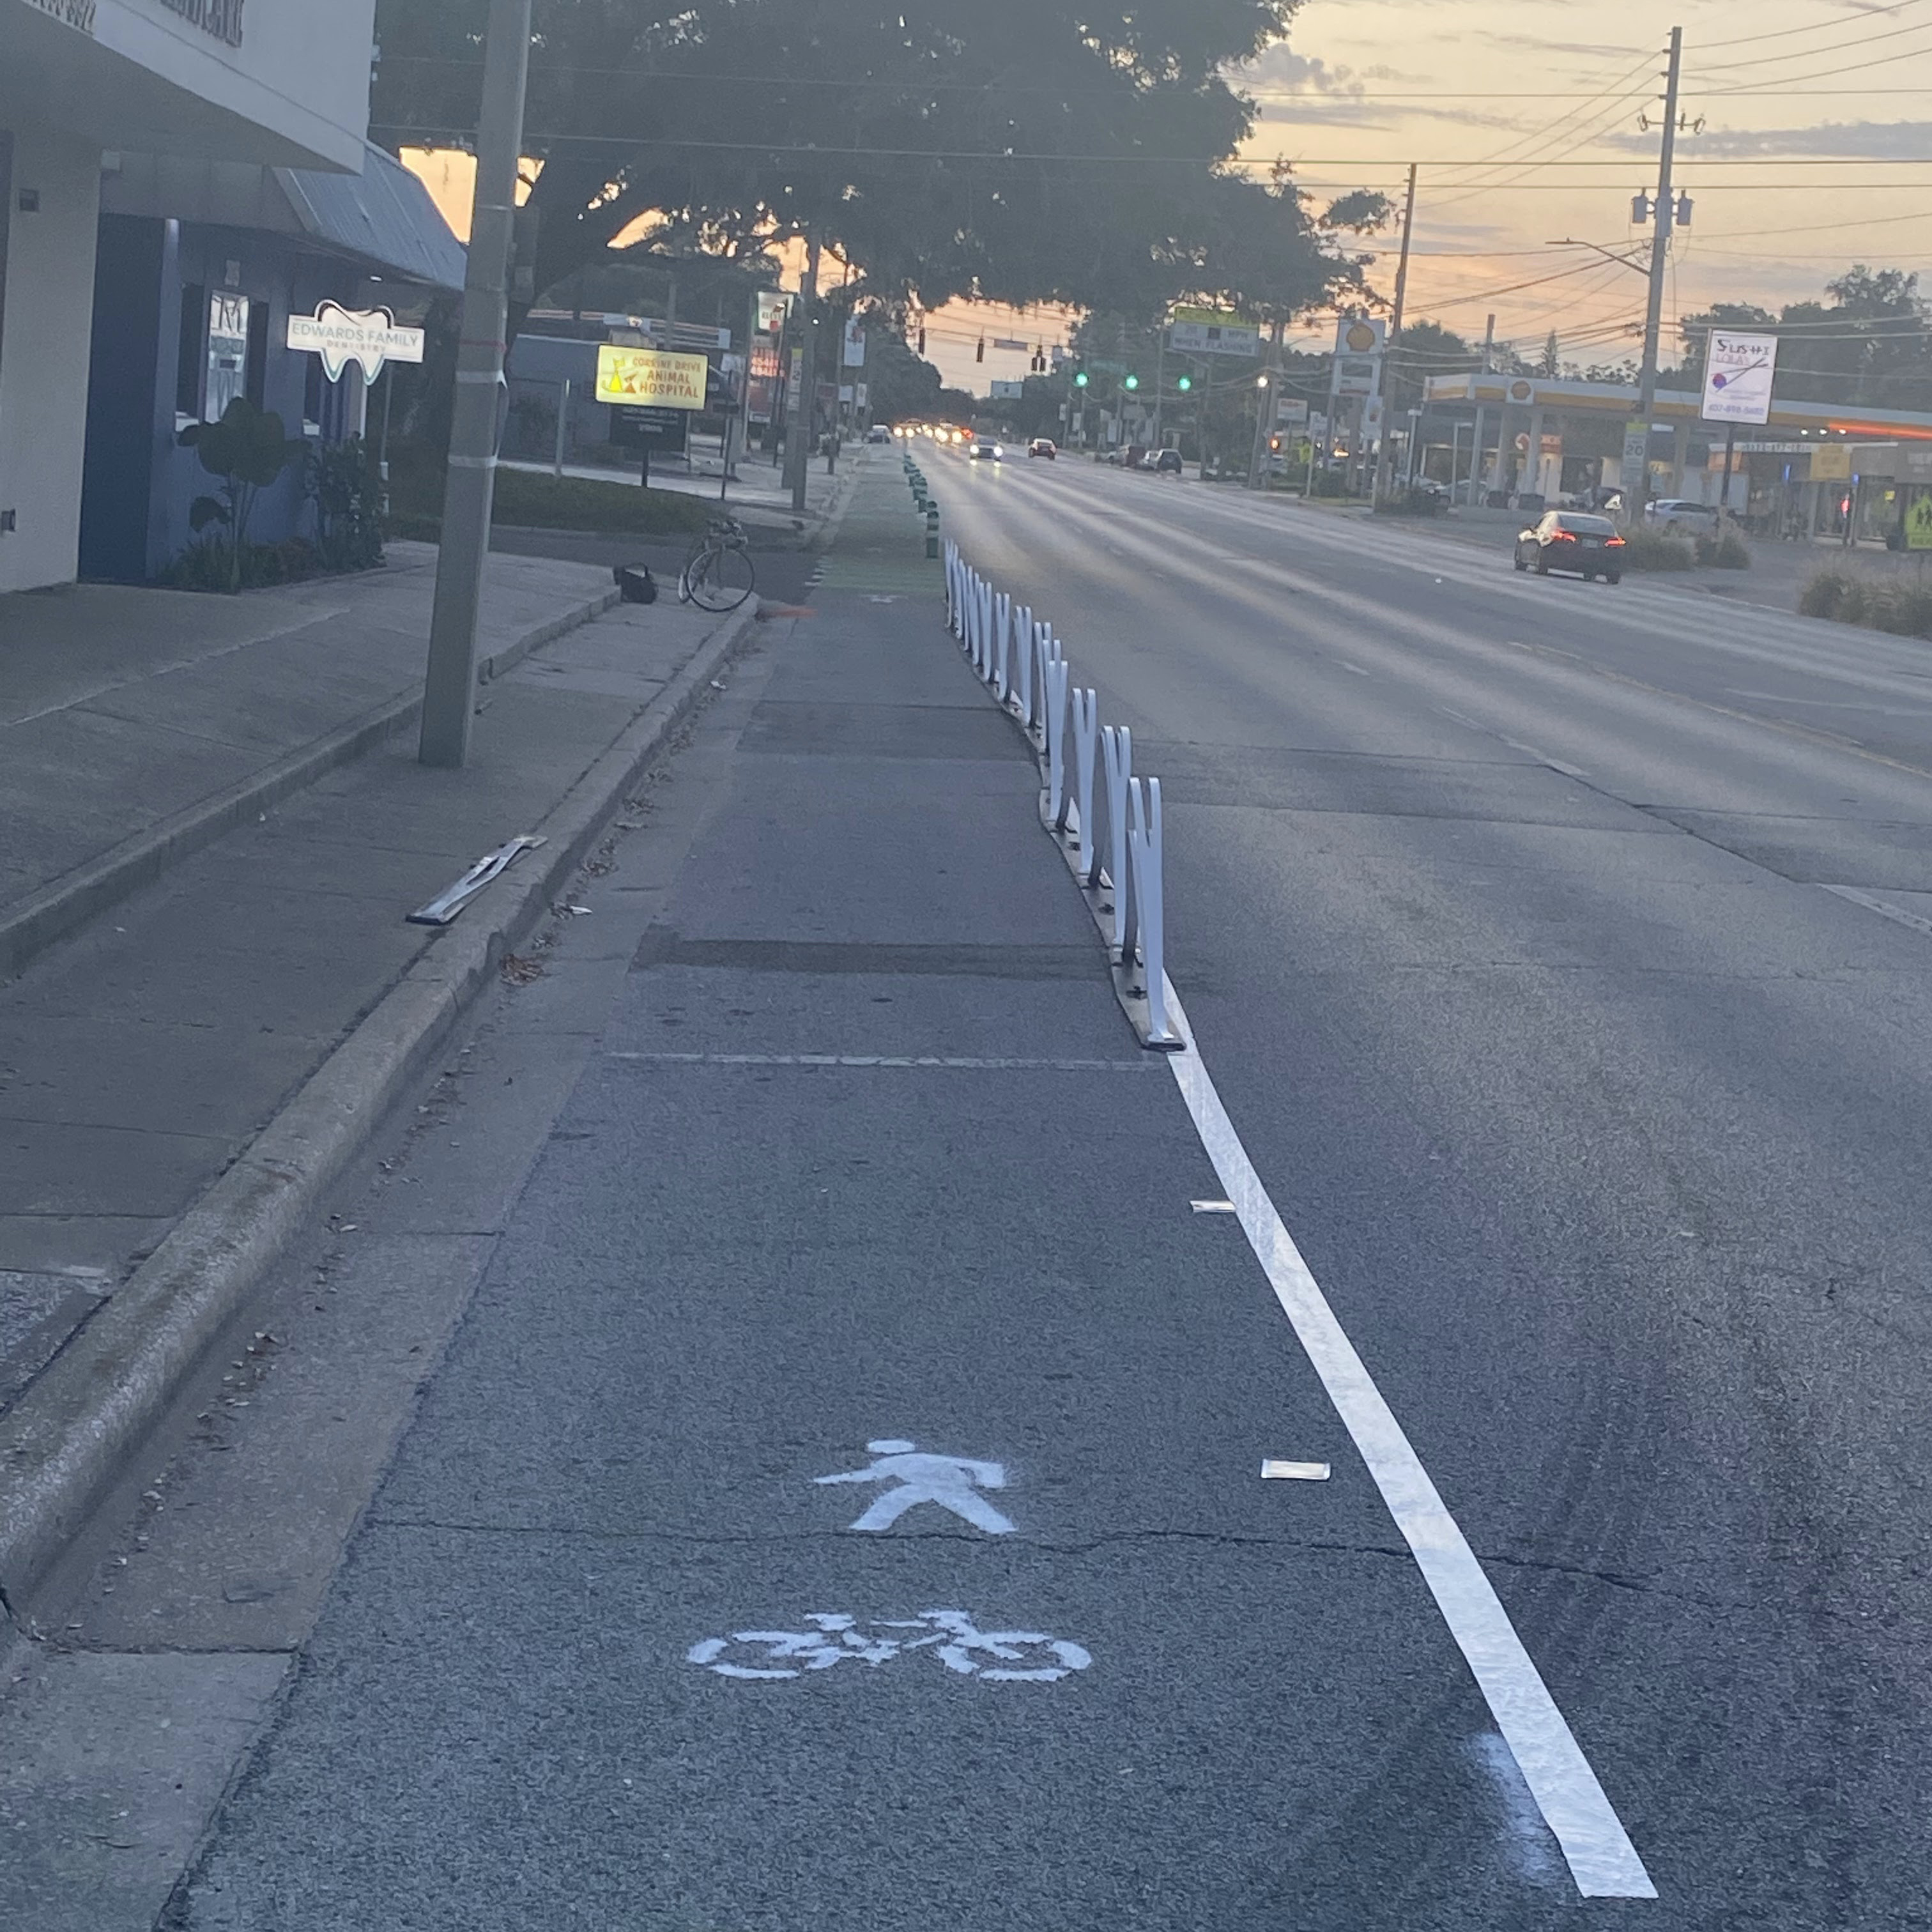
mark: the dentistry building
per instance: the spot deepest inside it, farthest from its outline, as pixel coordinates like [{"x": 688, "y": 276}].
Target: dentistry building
[{"x": 176, "y": 177}]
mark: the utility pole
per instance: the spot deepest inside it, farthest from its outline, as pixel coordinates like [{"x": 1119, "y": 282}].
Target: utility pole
[
  {"x": 1269, "y": 388},
  {"x": 1476, "y": 453},
  {"x": 470, "y": 493},
  {"x": 798, "y": 446},
  {"x": 1395, "y": 330},
  {"x": 1665, "y": 213}
]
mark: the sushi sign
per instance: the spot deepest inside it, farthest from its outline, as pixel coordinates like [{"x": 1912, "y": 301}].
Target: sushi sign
[{"x": 1738, "y": 371}]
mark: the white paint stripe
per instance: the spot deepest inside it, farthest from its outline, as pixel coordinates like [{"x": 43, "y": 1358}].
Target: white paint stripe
[
  {"x": 1294, "y": 1472},
  {"x": 1603, "y": 1862},
  {"x": 1212, "y": 1207},
  {"x": 1883, "y": 907},
  {"x": 1461, "y": 718},
  {"x": 1150, "y": 1065},
  {"x": 1355, "y": 667}
]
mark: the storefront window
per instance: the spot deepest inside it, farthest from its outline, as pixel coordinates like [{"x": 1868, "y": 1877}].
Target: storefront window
[{"x": 227, "y": 351}]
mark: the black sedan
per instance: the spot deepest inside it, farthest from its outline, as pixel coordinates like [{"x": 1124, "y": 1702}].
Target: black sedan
[{"x": 1574, "y": 540}]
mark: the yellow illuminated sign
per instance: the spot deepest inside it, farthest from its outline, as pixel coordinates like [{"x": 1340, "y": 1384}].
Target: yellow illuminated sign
[
  {"x": 650, "y": 378},
  {"x": 1831, "y": 463},
  {"x": 1919, "y": 524}
]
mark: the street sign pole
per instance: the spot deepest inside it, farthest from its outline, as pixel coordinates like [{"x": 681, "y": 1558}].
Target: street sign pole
[{"x": 449, "y": 686}]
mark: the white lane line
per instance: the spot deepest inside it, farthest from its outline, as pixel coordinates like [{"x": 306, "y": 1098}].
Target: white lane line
[
  {"x": 1212, "y": 1207},
  {"x": 1883, "y": 907},
  {"x": 1603, "y": 1862},
  {"x": 1355, "y": 667},
  {"x": 1273, "y": 1470},
  {"x": 1461, "y": 718},
  {"x": 961, "y": 1063}
]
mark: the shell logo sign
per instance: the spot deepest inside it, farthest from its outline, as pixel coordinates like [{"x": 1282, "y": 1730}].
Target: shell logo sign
[
  {"x": 650, "y": 378},
  {"x": 1521, "y": 391},
  {"x": 1360, "y": 338}
]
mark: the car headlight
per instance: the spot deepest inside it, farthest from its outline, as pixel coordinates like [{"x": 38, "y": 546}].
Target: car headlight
[{"x": 999, "y": 449}]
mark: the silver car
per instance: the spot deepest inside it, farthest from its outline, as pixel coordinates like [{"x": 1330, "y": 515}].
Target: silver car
[{"x": 1679, "y": 513}]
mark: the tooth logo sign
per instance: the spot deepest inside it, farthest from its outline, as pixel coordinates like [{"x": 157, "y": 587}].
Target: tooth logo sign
[{"x": 367, "y": 337}]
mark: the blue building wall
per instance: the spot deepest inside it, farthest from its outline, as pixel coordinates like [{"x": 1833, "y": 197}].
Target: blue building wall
[{"x": 140, "y": 483}]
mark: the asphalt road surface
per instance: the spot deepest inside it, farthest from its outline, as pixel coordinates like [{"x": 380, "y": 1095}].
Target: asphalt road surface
[{"x": 1500, "y": 911}]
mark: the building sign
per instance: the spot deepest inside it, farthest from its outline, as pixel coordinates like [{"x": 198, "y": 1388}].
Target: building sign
[
  {"x": 662, "y": 430},
  {"x": 221, "y": 18},
  {"x": 1737, "y": 377},
  {"x": 227, "y": 352},
  {"x": 855, "y": 346},
  {"x": 653, "y": 378},
  {"x": 1355, "y": 375},
  {"x": 1831, "y": 463},
  {"x": 1919, "y": 524},
  {"x": 367, "y": 337},
  {"x": 78, "y": 14},
  {"x": 1291, "y": 412},
  {"x": 773, "y": 306}
]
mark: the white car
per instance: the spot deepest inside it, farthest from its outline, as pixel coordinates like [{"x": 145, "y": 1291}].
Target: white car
[
  {"x": 984, "y": 449},
  {"x": 1679, "y": 513}
]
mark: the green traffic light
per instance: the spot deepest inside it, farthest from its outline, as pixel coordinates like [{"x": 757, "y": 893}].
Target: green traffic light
[
  {"x": 1186, "y": 383},
  {"x": 1132, "y": 383},
  {"x": 1080, "y": 380}
]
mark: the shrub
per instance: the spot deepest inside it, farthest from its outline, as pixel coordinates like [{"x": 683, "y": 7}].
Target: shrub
[
  {"x": 537, "y": 500},
  {"x": 1329, "y": 483},
  {"x": 1657, "y": 550},
  {"x": 346, "y": 481},
  {"x": 1902, "y": 607},
  {"x": 247, "y": 450},
  {"x": 1726, "y": 550}
]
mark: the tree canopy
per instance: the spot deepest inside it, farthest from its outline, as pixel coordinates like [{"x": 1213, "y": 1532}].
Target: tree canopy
[{"x": 1016, "y": 151}]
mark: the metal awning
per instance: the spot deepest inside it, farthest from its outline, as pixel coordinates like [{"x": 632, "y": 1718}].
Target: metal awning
[
  {"x": 382, "y": 219},
  {"x": 1672, "y": 406}
]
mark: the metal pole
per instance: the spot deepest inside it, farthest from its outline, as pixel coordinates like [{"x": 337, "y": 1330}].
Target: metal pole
[
  {"x": 1159, "y": 383},
  {"x": 1665, "y": 213},
  {"x": 1264, "y": 403},
  {"x": 449, "y": 687},
  {"x": 1724, "y": 494},
  {"x": 1381, "y": 487},
  {"x": 562, "y": 423},
  {"x": 796, "y": 459}
]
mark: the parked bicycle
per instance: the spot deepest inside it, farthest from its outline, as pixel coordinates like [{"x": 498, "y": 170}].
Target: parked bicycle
[
  {"x": 997, "y": 1657},
  {"x": 718, "y": 574}
]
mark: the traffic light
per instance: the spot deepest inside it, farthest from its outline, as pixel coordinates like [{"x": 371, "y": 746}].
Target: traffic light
[
  {"x": 1080, "y": 379},
  {"x": 1131, "y": 383},
  {"x": 1186, "y": 383},
  {"x": 1040, "y": 359}
]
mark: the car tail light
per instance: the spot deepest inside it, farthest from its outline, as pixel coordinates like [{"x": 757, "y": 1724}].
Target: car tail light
[
  {"x": 1613, "y": 543},
  {"x": 1561, "y": 536}
]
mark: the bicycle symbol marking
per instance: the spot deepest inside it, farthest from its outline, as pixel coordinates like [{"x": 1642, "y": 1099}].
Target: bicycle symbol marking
[{"x": 997, "y": 1657}]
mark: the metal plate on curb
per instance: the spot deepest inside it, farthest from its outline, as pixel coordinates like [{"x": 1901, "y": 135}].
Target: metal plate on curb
[{"x": 451, "y": 900}]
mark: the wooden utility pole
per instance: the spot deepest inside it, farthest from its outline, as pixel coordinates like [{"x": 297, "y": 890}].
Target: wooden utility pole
[
  {"x": 798, "y": 441},
  {"x": 1636, "y": 474},
  {"x": 1395, "y": 331}
]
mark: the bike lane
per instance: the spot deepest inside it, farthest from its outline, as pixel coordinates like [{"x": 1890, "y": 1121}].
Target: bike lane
[{"x": 869, "y": 1182}]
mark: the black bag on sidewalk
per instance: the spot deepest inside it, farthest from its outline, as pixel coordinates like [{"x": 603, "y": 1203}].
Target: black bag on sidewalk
[{"x": 635, "y": 583}]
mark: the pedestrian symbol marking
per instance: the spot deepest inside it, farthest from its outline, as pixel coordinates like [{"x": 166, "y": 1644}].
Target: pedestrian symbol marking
[
  {"x": 1919, "y": 524},
  {"x": 950, "y": 1482},
  {"x": 951, "y": 1636}
]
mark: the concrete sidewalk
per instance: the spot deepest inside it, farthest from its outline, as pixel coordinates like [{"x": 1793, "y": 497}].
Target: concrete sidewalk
[
  {"x": 180, "y": 1076},
  {"x": 135, "y": 724}
]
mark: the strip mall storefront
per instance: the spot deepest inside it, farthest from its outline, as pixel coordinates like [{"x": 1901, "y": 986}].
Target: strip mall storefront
[{"x": 88, "y": 90}]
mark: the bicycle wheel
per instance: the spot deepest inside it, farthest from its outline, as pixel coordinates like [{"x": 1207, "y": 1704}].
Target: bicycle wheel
[{"x": 722, "y": 579}]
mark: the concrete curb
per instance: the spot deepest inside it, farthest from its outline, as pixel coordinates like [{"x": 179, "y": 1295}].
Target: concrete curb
[
  {"x": 43, "y": 917},
  {"x": 67, "y": 1437}
]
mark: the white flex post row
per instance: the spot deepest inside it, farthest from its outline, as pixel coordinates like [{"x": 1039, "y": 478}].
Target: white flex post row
[{"x": 1017, "y": 655}]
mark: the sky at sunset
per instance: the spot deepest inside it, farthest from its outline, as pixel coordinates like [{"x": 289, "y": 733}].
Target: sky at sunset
[{"x": 1816, "y": 151}]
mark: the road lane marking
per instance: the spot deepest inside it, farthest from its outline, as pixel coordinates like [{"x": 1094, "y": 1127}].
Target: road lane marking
[
  {"x": 952, "y": 1482},
  {"x": 1461, "y": 718},
  {"x": 1273, "y": 1470},
  {"x": 1884, "y": 908},
  {"x": 1603, "y": 1862},
  {"x": 1212, "y": 1207},
  {"x": 997, "y": 1657},
  {"x": 1355, "y": 667},
  {"x": 965, "y": 1062}
]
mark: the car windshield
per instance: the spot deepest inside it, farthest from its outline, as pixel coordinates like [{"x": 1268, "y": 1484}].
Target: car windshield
[{"x": 1587, "y": 526}]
